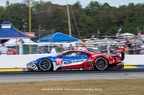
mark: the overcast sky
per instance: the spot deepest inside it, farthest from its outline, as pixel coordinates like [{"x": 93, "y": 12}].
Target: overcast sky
[{"x": 84, "y": 3}]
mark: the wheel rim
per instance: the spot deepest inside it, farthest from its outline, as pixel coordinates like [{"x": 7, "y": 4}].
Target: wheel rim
[
  {"x": 101, "y": 64},
  {"x": 45, "y": 65}
]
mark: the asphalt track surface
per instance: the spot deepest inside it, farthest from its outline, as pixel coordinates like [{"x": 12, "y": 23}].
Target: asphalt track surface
[{"x": 70, "y": 75}]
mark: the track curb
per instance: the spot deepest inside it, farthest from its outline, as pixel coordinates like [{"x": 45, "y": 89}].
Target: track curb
[
  {"x": 133, "y": 66},
  {"x": 25, "y": 69},
  {"x": 11, "y": 69}
]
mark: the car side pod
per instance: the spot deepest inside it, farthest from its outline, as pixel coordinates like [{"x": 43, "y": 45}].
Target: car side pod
[{"x": 89, "y": 63}]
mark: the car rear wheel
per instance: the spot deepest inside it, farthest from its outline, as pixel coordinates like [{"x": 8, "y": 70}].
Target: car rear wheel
[
  {"x": 101, "y": 64},
  {"x": 45, "y": 65}
]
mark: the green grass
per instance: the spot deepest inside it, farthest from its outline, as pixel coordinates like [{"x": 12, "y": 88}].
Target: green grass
[{"x": 81, "y": 87}]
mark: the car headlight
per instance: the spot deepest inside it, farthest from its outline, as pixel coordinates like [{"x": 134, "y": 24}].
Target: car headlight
[{"x": 31, "y": 63}]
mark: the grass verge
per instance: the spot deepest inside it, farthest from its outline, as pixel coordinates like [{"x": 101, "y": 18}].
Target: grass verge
[{"x": 78, "y": 87}]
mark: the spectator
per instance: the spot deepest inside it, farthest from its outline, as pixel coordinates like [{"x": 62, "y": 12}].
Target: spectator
[
  {"x": 138, "y": 49},
  {"x": 83, "y": 47},
  {"x": 115, "y": 46},
  {"x": 76, "y": 46},
  {"x": 3, "y": 49},
  {"x": 104, "y": 49},
  {"x": 126, "y": 49},
  {"x": 53, "y": 51},
  {"x": 111, "y": 49},
  {"x": 61, "y": 48},
  {"x": 142, "y": 46},
  {"x": 131, "y": 50},
  {"x": 129, "y": 44},
  {"x": 71, "y": 47}
]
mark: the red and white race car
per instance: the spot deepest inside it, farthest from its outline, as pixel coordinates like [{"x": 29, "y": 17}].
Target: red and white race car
[{"x": 77, "y": 59}]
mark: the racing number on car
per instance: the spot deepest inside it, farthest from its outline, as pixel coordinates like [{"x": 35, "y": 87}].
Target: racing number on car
[{"x": 58, "y": 61}]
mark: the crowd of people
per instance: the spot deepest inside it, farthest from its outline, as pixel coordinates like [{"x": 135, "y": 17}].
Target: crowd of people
[
  {"x": 134, "y": 48},
  {"x": 129, "y": 48}
]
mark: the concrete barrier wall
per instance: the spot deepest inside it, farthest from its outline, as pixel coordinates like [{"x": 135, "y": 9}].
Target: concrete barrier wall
[
  {"x": 134, "y": 60},
  {"x": 20, "y": 61}
]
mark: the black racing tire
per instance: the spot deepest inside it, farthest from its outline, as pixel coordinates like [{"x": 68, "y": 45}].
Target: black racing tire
[
  {"x": 45, "y": 65},
  {"x": 101, "y": 64}
]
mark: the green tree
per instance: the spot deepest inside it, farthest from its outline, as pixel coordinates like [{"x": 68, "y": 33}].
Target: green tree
[
  {"x": 82, "y": 20},
  {"x": 16, "y": 13},
  {"x": 59, "y": 21},
  {"x": 2, "y": 13}
]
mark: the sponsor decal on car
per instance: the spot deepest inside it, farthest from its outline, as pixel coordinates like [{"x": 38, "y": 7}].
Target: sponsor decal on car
[
  {"x": 67, "y": 62},
  {"x": 58, "y": 61},
  {"x": 74, "y": 61},
  {"x": 78, "y": 61}
]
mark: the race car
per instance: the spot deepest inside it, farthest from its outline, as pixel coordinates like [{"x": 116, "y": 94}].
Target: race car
[{"x": 76, "y": 60}]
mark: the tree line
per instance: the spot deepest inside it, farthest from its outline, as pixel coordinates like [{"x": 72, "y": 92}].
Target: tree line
[{"x": 48, "y": 18}]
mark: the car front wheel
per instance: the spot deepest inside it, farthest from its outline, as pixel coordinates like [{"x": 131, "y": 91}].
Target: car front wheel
[
  {"x": 45, "y": 65},
  {"x": 101, "y": 64}
]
